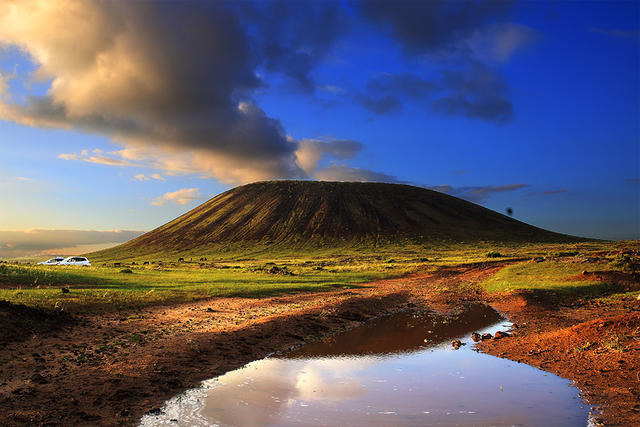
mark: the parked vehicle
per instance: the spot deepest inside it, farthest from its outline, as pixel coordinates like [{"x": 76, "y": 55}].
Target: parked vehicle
[
  {"x": 75, "y": 260},
  {"x": 52, "y": 261}
]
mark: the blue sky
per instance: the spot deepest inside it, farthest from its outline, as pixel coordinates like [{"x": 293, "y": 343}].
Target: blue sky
[{"x": 156, "y": 107}]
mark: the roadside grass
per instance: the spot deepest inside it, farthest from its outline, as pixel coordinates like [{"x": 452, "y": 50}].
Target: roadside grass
[
  {"x": 626, "y": 296},
  {"x": 554, "y": 276},
  {"x": 106, "y": 288}
]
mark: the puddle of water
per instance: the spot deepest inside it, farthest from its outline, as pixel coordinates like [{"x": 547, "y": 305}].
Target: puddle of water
[{"x": 398, "y": 370}]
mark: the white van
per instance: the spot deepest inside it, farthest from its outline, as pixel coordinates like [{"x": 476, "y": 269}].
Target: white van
[{"x": 75, "y": 260}]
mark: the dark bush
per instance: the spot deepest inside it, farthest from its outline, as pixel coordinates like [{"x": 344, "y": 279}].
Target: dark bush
[
  {"x": 494, "y": 255},
  {"x": 563, "y": 254},
  {"x": 126, "y": 270},
  {"x": 627, "y": 263}
]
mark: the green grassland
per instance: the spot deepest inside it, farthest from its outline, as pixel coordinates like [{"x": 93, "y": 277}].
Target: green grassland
[
  {"x": 92, "y": 288},
  {"x": 559, "y": 276},
  {"x": 166, "y": 281}
]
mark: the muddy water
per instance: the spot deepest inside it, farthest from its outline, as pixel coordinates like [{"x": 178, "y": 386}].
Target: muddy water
[{"x": 398, "y": 370}]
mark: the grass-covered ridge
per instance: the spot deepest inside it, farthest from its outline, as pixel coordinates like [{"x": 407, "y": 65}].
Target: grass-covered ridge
[{"x": 281, "y": 216}]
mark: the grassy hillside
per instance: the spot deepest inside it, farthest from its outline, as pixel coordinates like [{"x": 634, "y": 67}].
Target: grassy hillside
[{"x": 294, "y": 215}]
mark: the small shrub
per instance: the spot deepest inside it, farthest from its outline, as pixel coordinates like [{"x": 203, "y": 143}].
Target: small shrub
[
  {"x": 615, "y": 342},
  {"x": 627, "y": 263},
  {"x": 561, "y": 254},
  {"x": 494, "y": 255},
  {"x": 126, "y": 271}
]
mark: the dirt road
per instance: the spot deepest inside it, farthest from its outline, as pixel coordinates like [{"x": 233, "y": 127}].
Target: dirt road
[{"x": 109, "y": 369}]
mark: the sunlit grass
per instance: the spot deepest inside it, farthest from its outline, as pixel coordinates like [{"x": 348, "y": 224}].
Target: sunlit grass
[
  {"x": 245, "y": 274},
  {"x": 107, "y": 287}
]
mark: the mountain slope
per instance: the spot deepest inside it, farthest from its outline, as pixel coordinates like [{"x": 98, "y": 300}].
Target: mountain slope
[{"x": 312, "y": 213}]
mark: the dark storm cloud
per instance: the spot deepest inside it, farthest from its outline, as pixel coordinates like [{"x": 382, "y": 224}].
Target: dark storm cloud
[
  {"x": 431, "y": 26},
  {"x": 473, "y": 91},
  {"x": 465, "y": 30},
  {"x": 384, "y": 92},
  {"x": 293, "y": 37},
  {"x": 476, "y": 92}
]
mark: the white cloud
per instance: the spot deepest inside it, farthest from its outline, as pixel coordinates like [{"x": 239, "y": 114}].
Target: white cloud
[
  {"x": 339, "y": 172},
  {"x": 98, "y": 159},
  {"x": 180, "y": 197},
  {"x": 143, "y": 177},
  {"x": 311, "y": 151}
]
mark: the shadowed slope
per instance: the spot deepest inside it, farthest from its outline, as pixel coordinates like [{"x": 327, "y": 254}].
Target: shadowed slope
[{"x": 312, "y": 213}]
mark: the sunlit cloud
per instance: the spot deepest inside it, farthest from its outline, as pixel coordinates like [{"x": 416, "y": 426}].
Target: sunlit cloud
[
  {"x": 341, "y": 172},
  {"x": 98, "y": 159},
  {"x": 126, "y": 76},
  {"x": 143, "y": 177},
  {"x": 180, "y": 197},
  {"x": 311, "y": 151}
]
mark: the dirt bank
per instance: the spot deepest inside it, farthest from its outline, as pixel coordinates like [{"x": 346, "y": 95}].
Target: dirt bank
[{"x": 109, "y": 369}]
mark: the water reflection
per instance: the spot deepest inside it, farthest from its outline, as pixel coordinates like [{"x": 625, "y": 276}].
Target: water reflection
[{"x": 399, "y": 370}]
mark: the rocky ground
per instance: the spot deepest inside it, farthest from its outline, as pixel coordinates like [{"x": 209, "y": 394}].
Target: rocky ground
[{"x": 109, "y": 369}]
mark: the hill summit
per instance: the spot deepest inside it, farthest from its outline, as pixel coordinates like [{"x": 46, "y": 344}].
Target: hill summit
[{"x": 316, "y": 214}]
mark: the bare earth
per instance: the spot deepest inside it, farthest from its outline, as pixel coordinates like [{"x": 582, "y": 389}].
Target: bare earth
[{"x": 109, "y": 369}]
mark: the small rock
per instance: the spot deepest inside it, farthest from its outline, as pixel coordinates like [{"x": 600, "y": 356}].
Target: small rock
[
  {"x": 476, "y": 337},
  {"x": 456, "y": 344},
  {"x": 486, "y": 337},
  {"x": 585, "y": 272},
  {"x": 501, "y": 334},
  {"x": 38, "y": 379}
]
